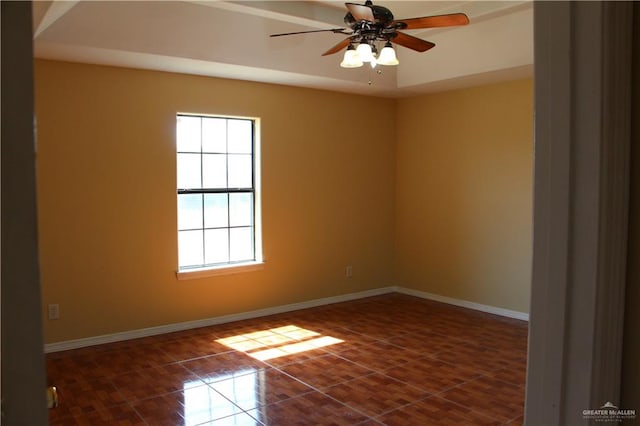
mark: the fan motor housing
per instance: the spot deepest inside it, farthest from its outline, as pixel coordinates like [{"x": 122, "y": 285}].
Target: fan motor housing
[{"x": 382, "y": 16}]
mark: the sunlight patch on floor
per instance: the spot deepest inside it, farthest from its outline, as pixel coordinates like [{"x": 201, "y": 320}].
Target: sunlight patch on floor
[{"x": 276, "y": 342}]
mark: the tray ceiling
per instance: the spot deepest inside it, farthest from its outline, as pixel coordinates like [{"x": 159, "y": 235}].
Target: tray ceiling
[{"x": 230, "y": 39}]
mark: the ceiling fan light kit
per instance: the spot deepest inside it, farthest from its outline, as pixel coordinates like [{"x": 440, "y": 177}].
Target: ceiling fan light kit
[
  {"x": 351, "y": 58},
  {"x": 370, "y": 23},
  {"x": 388, "y": 55},
  {"x": 354, "y": 58},
  {"x": 365, "y": 52}
]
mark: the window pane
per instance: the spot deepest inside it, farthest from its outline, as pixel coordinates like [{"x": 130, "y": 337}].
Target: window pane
[
  {"x": 215, "y": 170},
  {"x": 189, "y": 211},
  {"x": 215, "y": 227},
  {"x": 241, "y": 244},
  {"x": 214, "y": 135},
  {"x": 240, "y": 171},
  {"x": 241, "y": 209},
  {"x": 188, "y": 134},
  {"x": 216, "y": 210},
  {"x": 189, "y": 171},
  {"x": 240, "y": 136},
  {"x": 216, "y": 245},
  {"x": 190, "y": 248}
]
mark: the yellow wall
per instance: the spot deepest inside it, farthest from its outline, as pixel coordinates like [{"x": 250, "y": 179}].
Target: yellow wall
[
  {"x": 107, "y": 197},
  {"x": 440, "y": 183},
  {"x": 464, "y": 194}
]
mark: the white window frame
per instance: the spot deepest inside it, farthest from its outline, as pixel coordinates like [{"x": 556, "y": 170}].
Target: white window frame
[{"x": 234, "y": 267}]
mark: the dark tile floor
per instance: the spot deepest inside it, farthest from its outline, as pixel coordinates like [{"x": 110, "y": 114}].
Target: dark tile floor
[{"x": 391, "y": 359}]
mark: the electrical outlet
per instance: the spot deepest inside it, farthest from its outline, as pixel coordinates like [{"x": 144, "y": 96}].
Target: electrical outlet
[
  {"x": 348, "y": 271},
  {"x": 54, "y": 311}
]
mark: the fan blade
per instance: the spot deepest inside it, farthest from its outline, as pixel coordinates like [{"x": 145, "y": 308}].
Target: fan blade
[
  {"x": 338, "y": 47},
  {"x": 333, "y": 30},
  {"x": 360, "y": 12},
  {"x": 432, "y": 21},
  {"x": 411, "y": 42}
]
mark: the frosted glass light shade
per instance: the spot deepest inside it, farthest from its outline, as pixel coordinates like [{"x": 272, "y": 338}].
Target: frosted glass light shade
[
  {"x": 388, "y": 56},
  {"x": 351, "y": 59},
  {"x": 364, "y": 50}
]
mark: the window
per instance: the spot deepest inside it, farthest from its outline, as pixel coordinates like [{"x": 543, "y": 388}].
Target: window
[{"x": 218, "y": 199}]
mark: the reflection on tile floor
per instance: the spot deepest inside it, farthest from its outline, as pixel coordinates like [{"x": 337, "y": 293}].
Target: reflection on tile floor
[{"x": 390, "y": 359}]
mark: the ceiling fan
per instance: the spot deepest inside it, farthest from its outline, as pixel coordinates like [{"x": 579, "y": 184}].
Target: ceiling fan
[{"x": 369, "y": 24}]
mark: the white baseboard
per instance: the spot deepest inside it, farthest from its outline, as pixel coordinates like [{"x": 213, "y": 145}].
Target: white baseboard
[
  {"x": 465, "y": 304},
  {"x": 169, "y": 328}
]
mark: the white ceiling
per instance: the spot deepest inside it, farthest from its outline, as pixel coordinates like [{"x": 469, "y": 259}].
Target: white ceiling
[{"x": 230, "y": 39}]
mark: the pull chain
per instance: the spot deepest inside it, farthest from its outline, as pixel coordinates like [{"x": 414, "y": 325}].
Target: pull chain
[{"x": 379, "y": 72}]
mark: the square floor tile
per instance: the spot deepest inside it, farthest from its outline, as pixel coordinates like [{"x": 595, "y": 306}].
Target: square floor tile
[
  {"x": 291, "y": 355},
  {"x": 167, "y": 409},
  {"x": 192, "y": 406},
  {"x": 375, "y": 394},
  {"x": 490, "y": 397},
  {"x": 261, "y": 387},
  {"x": 325, "y": 371},
  {"x": 242, "y": 419},
  {"x": 380, "y": 355},
  {"x": 186, "y": 348},
  {"x": 223, "y": 366},
  {"x": 514, "y": 375},
  {"x": 152, "y": 381},
  {"x": 312, "y": 408},
  {"x": 70, "y": 367},
  {"x": 519, "y": 421},
  {"x": 432, "y": 375},
  {"x": 425, "y": 342},
  {"x": 379, "y": 327},
  {"x": 480, "y": 358},
  {"x": 435, "y": 411},
  {"x": 129, "y": 358},
  {"x": 121, "y": 414},
  {"x": 86, "y": 397}
]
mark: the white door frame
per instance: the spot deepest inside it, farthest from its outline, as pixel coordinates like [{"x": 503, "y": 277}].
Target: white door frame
[{"x": 582, "y": 136}]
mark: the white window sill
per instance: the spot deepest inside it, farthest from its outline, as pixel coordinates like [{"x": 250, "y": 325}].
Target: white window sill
[{"x": 193, "y": 274}]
